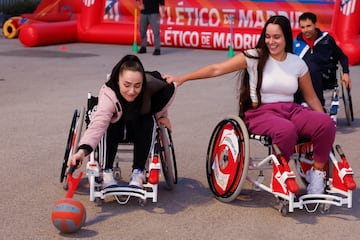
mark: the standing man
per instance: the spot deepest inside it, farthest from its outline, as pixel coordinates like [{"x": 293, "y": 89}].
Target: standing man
[
  {"x": 322, "y": 55},
  {"x": 150, "y": 14}
]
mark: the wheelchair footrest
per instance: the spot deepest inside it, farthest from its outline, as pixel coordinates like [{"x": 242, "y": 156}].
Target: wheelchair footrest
[
  {"x": 321, "y": 198},
  {"x": 316, "y": 200},
  {"x": 125, "y": 192}
]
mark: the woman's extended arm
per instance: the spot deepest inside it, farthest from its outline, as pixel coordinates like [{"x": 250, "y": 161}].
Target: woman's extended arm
[{"x": 213, "y": 70}]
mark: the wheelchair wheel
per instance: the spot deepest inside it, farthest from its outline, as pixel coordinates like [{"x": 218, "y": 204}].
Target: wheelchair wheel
[
  {"x": 73, "y": 141},
  {"x": 78, "y": 130},
  {"x": 228, "y": 158},
  {"x": 100, "y": 152},
  {"x": 167, "y": 157},
  {"x": 68, "y": 145},
  {"x": 172, "y": 149},
  {"x": 347, "y": 104}
]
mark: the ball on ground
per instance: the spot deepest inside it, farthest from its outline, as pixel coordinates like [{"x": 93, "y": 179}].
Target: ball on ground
[{"x": 68, "y": 215}]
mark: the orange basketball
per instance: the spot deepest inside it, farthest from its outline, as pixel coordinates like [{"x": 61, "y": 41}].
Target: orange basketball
[{"x": 68, "y": 215}]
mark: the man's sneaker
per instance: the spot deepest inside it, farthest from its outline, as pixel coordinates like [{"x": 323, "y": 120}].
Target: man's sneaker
[
  {"x": 156, "y": 52},
  {"x": 108, "y": 178},
  {"x": 316, "y": 180},
  {"x": 142, "y": 50},
  {"x": 137, "y": 178}
]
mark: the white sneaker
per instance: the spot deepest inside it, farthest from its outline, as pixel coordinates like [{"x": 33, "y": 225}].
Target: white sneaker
[
  {"x": 316, "y": 180},
  {"x": 137, "y": 178},
  {"x": 108, "y": 178}
]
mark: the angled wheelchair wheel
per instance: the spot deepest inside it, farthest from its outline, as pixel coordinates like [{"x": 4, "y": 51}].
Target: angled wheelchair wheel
[
  {"x": 68, "y": 145},
  {"x": 167, "y": 157},
  {"x": 228, "y": 158},
  {"x": 100, "y": 152},
  {"x": 347, "y": 104},
  {"x": 172, "y": 150},
  {"x": 78, "y": 131},
  {"x": 72, "y": 141}
]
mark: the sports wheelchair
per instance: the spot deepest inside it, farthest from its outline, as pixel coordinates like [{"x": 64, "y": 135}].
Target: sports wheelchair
[
  {"x": 162, "y": 149},
  {"x": 331, "y": 90},
  {"x": 228, "y": 165}
]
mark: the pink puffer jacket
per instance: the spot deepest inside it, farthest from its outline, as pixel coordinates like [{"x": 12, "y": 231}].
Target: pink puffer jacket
[{"x": 108, "y": 111}]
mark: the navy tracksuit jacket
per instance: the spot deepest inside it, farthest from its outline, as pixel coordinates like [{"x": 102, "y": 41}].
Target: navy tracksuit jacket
[{"x": 322, "y": 61}]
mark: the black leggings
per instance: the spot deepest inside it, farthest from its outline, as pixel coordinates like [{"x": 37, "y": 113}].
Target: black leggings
[{"x": 139, "y": 131}]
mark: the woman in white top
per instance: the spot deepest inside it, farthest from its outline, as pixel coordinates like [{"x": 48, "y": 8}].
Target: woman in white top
[{"x": 272, "y": 76}]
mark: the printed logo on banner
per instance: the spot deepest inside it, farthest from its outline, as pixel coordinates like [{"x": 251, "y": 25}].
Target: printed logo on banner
[
  {"x": 112, "y": 10},
  {"x": 347, "y": 7},
  {"x": 88, "y": 3}
]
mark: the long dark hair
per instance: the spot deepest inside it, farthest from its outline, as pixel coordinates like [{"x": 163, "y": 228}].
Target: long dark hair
[
  {"x": 263, "y": 53},
  {"x": 128, "y": 62}
]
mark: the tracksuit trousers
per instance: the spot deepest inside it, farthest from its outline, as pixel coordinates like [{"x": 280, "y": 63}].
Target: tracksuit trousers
[
  {"x": 286, "y": 122},
  {"x": 138, "y": 131}
]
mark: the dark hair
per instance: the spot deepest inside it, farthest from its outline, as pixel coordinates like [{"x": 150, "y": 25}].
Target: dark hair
[
  {"x": 308, "y": 15},
  {"x": 263, "y": 55},
  {"x": 128, "y": 62}
]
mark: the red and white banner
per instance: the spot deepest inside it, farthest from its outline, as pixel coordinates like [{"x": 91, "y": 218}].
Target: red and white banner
[{"x": 200, "y": 23}]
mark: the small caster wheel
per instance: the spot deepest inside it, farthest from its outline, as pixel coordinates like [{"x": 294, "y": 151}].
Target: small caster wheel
[
  {"x": 325, "y": 208},
  {"x": 65, "y": 184},
  {"x": 117, "y": 173},
  {"x": 278, "y": 200},
  {"x": 98, "y": 180},
  {"x": 283, "y": 210},
  {"x": 98, "y": 202},
  {"x": 142, "y": 202}
]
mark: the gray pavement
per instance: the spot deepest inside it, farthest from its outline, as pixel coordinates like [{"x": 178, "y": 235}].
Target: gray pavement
[{"x": 39, "y": 90}]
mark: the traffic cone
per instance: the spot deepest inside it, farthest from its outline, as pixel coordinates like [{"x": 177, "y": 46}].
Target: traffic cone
[
  {"x": 135, "y": 47},
  {"x": 63, "y": 48},
  {"x": 231, "y": 52}
]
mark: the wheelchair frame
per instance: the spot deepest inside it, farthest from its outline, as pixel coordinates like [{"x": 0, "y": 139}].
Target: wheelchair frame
[
  {"x": 228, "y": 162},
  {"x": 161, "y": 162},
  {"x": 333, "y": 107}
]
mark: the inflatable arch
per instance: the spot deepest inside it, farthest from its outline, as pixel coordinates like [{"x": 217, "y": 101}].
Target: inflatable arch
[{"x": 192, "y": 23}]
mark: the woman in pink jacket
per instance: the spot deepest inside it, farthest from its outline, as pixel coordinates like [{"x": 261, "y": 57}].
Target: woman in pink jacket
[{"x": 128, "y": 103}]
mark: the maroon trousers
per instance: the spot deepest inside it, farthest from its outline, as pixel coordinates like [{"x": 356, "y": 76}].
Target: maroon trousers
[{"x": 286, "y": 122}]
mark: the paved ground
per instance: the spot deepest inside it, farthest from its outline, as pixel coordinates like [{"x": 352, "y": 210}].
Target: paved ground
[{"x": 39, "y": 90}]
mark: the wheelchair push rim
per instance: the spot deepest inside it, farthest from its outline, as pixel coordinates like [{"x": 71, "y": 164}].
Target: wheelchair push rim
[
  {"x": 68, "y": 145},
  {"x": 171, "y": 144},
  {"x": 72, "y": 141},
  {"x": 347, "y": 104},
  {"x": 228, "y": 158},
  {"x": 167, "y": 157}
]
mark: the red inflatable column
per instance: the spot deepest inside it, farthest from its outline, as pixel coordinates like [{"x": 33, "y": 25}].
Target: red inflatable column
[
  {"x": 91, "y": 13},
  {"x": 43, "y": 33},
  {"x": 346, "y": 27}
]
